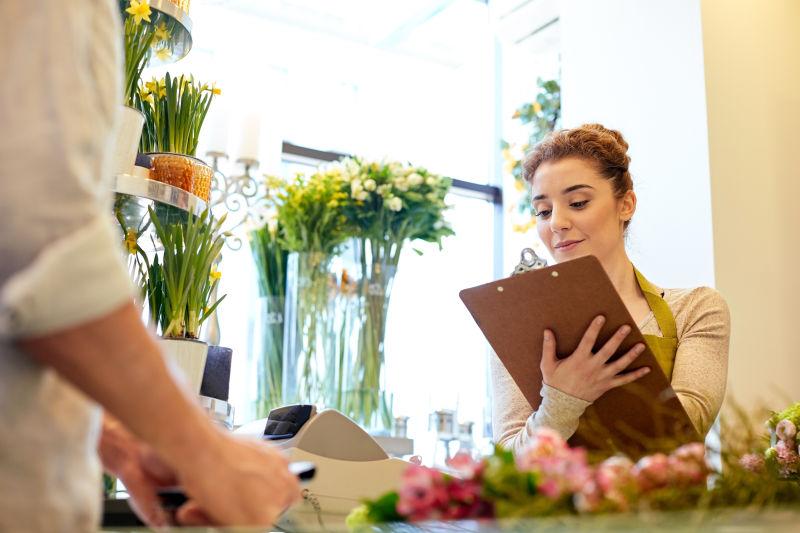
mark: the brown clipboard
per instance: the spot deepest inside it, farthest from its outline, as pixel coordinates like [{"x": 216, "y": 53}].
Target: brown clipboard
[{"x": 636, "y": 419}]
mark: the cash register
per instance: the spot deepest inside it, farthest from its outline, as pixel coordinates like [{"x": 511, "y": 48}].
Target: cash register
[{"x": 350, "y": 464}]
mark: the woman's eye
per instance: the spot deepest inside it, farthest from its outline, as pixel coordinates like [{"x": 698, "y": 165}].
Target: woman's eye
[
  {"x": 579, "y": 205},
  {"x": 544, "y": 213}
]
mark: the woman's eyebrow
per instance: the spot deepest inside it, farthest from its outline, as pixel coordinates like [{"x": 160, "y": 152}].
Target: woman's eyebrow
[{"x": 565, "y": 191}]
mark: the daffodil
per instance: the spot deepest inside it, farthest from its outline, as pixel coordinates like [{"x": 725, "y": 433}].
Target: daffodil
[
  {"x": 163, "y": 54},
  {"x": 162, "y": 33},
  {"x": 537, "y": 107},
  {"x": 215, "y": 90},
  {"x": 215, "y": 274},
  {"x": 130, "y": 241},
  {"x": 146, "y": 96},
  {"x": 139, "y": 10}
]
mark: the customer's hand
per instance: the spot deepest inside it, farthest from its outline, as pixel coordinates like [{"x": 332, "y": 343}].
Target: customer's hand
[
  {"x": 139, "y": 469},
  {"x": 236, "y": 482},
  {"x": 587, "y": 375}
]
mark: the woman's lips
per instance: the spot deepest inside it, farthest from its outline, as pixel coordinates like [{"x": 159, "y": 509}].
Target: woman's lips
[{"x": 567, "y": 246}]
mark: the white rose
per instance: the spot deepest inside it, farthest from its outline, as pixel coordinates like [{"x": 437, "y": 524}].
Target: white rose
[
  {"x": 363, "y": 195},
  {"x": 395, "y": 204},
  {"x": 370, "y": 185},
  {"x": 383, "y": 189},
  {"x": 432, "y": 180},
  {"x": 401, "y": 184},
  {"x": 415, "y": 179}
]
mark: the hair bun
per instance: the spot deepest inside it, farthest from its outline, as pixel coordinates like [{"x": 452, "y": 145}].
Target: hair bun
[{"x": 599, "y": 128}]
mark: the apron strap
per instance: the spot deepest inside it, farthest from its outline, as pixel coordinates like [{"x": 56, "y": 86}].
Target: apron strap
[{"x": 659, "y": 307}]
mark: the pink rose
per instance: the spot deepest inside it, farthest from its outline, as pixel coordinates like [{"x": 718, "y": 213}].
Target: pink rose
[
  {"x": 615, "y": 479},
  {"x": 788, "y": 459},
  {"x": 544, "y": 442},
  {"x": 752, "y": 462},
  {"x": 786, "y": 431},
  {"x": 422, "y": 493},
  {"x": 652, "y": 472},
  {"x": 463, "y": 463}
]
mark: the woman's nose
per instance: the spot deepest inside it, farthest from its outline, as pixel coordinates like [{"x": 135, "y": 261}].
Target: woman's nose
[{"x": 559, "y": 220}]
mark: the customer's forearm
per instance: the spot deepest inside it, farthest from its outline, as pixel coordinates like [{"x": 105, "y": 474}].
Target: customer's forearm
[{"x": 115, "y": 361}]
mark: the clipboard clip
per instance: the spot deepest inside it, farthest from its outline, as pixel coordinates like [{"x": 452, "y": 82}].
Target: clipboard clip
[{"x": 528, "y": 261}]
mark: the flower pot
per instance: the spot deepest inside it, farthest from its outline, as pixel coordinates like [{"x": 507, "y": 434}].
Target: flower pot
[
  {"x": 186, "y": 359},
  {"x": 127, "y": 141}
]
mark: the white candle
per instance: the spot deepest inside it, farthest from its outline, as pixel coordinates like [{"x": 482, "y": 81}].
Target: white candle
[{"x": 250, "y": 136}]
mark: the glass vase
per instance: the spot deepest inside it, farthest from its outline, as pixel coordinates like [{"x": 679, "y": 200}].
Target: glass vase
[
  {"x": 363, "y": 391},
  {"x": 309, "y": 332},
  {"x": 265, "y": 340}
]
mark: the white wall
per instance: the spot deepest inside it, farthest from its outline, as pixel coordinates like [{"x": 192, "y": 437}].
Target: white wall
[
  {"x": 752, "y": 57},
  {"x": 637, "y": 66}
]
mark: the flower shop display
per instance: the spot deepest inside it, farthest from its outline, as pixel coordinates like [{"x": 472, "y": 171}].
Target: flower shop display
[
  {"x": 550, "y": 478},
  {"x": 174, "y": 111},
  {"x": 388, "y": 205},
  {"x": 312, "y": 230},
  {"x": 266, "y": 334},
  {"x": 149, "y": 36},
  {"x": 177, "y": 284}
]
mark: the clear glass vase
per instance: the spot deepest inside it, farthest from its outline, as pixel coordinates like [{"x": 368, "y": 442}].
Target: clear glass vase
[
  {"x": 266, "y": 354},
  {"x": 362, "y": 395},
  {"x": 309, "y": 330}
]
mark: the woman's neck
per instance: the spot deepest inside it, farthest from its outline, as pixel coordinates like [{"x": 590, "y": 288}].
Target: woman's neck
[{"x": 620, "y": 271}]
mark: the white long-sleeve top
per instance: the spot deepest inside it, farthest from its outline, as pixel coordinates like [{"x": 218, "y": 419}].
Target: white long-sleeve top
[{"x": 60, "y": 260}]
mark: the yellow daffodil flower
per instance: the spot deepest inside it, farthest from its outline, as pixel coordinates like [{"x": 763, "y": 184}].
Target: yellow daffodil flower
[
  {"x": 215, "y": 90},
  {"x": 215, "y": 274},
  {"x": 130, "y": 241},
  {"x": 163, "y": 54},
  {"x": 162, "y": 33},
  {"x": 537, "y": 107},
  {"x": 139, "y": 10}
]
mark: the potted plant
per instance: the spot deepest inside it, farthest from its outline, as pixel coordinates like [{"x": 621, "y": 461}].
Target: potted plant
[
  {"x": 179, "y": 286},
  {"x": 175, "y": 109}
]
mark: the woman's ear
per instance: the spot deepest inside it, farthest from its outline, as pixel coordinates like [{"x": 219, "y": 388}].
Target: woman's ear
[{"x": 627, "y": 205}]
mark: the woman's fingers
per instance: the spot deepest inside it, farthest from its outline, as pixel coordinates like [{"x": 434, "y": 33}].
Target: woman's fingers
[
  {"x": 630, "y": 377},
  {"x": 623, "y": 362},
  {"x": 590, "y": 336},
  {"x": 549, "y": 360},
  {"x": 612, "y": 345}
]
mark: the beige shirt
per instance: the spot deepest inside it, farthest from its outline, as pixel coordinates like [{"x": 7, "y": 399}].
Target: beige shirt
[
  {"x": 698, "y": 378},
  {"x": 60, "y": 259}
]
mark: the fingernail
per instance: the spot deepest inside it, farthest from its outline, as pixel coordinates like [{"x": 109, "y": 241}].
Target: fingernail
[
  {"x": 599, "y": 320},
  {"x": 547, "y": 335},
  {"x": 640, "y": 348},
  {"x": 626, "y": 329}
]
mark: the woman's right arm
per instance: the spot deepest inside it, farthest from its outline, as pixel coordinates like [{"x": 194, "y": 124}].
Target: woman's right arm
[
  {"x": 514, "y": 421},
  {"x": 569, "y": 386}
]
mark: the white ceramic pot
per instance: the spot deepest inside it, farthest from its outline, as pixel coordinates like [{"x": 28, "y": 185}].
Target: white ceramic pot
[
  {"x": 187, "y": 360},
  {"x": 127, "y": 141}
]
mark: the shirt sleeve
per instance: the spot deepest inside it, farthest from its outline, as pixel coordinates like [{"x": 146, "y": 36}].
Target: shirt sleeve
[
  {"x": 61, "y": 259},
  {"x": 514, "y": 420},
  {"x": 700, "y": 373}
]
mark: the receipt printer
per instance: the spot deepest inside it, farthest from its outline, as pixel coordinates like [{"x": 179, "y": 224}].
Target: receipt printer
[{"x": 350, "y": 464}]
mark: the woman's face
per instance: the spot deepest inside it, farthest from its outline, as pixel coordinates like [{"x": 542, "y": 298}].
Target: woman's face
[{"x": 577, "y": 213}]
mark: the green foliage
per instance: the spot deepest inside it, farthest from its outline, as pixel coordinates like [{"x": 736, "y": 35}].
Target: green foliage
[
  {"x": 174, "y": 111},
  {"x": 542, "y": 116},
  {"x": 183, "y": 282}
]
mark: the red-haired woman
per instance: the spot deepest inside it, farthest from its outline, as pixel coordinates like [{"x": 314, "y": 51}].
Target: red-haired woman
[{"x": 584, "y": 201}]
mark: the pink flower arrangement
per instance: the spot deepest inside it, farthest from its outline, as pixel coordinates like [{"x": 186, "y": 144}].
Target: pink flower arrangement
[
  {"x": 562, "y": 476},
  {"x": 429, "y": 494}
]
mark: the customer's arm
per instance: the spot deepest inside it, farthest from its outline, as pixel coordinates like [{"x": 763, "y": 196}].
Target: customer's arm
[{"x": 115, "y": 361}]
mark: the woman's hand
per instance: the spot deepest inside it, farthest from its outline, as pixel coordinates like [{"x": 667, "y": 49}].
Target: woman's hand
[{"x": 587, "y": 375}]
